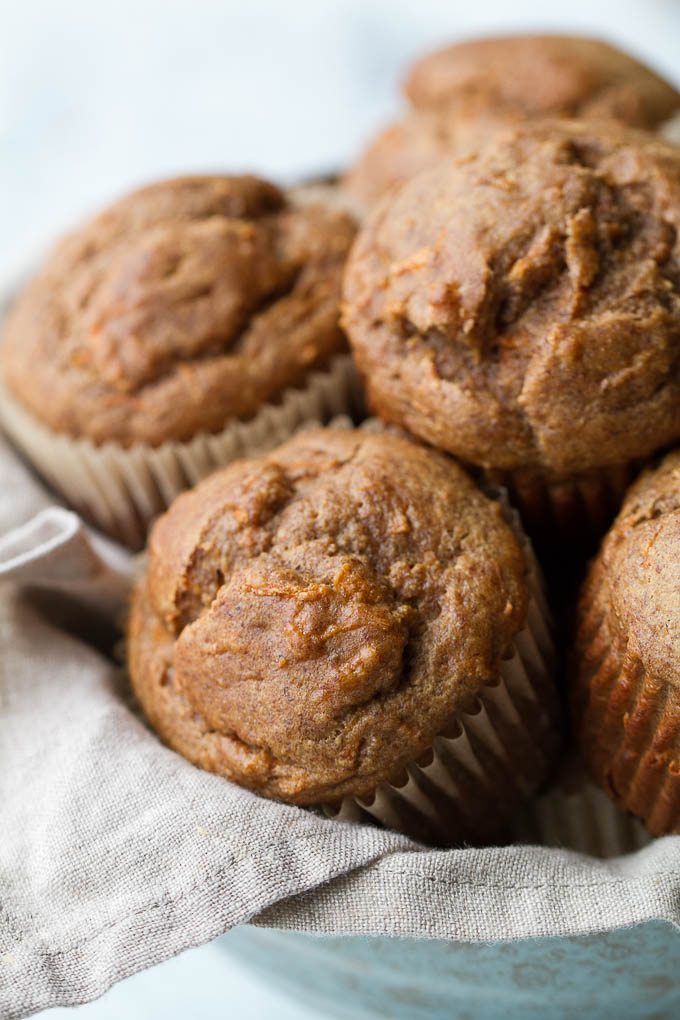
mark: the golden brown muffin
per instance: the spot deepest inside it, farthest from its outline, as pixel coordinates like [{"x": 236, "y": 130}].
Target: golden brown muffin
[
  {"x": 542, "y": 75},
  {"x": 521, "y": 309},
  {"x": 187, "y": 304},
  {"x": 313, "y": 619},
  {"x": 411, "y": 144},
  {"x": 462, "y": 94},
  {"x": 626, "y": 676}
]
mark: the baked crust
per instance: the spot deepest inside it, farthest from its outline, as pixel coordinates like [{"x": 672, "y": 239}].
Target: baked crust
[
  {"x": 312, "y": 619},
  {"x": 417, "y": 141},
  {"x": 185, "y": 305},
  {"x": 520, "y": 307},
  {"x": 463, "y": 94},
  {"x": 542, "y": 75}
]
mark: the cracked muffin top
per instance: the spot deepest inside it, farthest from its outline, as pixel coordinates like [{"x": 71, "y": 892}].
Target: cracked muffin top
[
  {"x": 542, "y": 75},
  {"x": 311, "y": 619},
  {"x": 462, "y": 95},
  {"x": 521, "y": 307},
  {"x": 186, "y": 304}
]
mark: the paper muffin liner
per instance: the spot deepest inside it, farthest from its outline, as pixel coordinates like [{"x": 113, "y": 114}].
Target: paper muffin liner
[
  {"x": 121, "y": 490},
  {"x": 628, "y": 726},
  {"x": 327, "y": 192},
  {"x": 497, "y": 751},
  {"x": 575, "y": 814},
  {"x": 670, "y": 129},
  {"x": 578, "y": 509}
]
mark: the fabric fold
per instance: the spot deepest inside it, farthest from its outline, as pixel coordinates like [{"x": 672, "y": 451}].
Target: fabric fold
[{"x": 55, "y": 550}]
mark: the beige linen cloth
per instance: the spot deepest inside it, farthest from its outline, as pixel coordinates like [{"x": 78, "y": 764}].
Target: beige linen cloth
[{"x": 116, "y": 853}]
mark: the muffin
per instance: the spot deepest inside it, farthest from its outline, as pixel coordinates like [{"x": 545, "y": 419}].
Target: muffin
[
  {"x": 182, "y": 326},
  {"x": 460, "y": 96},
  {"x": 542, "y": 75},
  {"x": 626, "y": 668},
  {"x": 347, "y": 622},
  {"x": 520, "y": 308},
  {"x": 573, "y": 813},
  {"x": 411, "y": 144}
]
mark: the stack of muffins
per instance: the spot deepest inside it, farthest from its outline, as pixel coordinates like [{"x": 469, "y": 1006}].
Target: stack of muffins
[{"x": 351, "y": 617}]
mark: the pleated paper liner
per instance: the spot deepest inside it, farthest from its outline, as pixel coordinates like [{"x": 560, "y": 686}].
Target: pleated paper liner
[
  {"x": 327, "y": 192},
  {"x": 627, "y": 722},
  {"x": 572, "y": 512},
  {"x": 122, "y": 490},
  {"x": 670, "y": 129},
  {"x": 499, "y": 749},
  {"x": 575, "y": 814}
]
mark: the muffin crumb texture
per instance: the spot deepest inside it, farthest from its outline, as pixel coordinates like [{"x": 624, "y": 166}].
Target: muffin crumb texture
[
  {"x": 464, "y": 94},
  {"x": 184, "y": 306},
  {"x": 520, "y": 308},
  {"x": 312, "y": 619},
  {"x": 542, "y": 75}
]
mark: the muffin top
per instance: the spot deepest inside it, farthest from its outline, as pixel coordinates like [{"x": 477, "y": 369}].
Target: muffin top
[
  {"x": 521, "y": 307},
  {"x": 635, "y": 576},
  {"x": 412, "y": 144},
  {"x": 462, "y": 95},
  {"x": 311, "y": 619},
  {"x": 183, "y": 306},
  {"x": 541, "y": 75}
]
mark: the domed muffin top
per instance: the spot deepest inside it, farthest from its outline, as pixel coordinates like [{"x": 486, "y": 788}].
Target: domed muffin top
[
  {"x": 542, "y": 76},
  {"x": 417, "y": 141},
  {"x": 462, "y": 95},
  {"x": 313, "y": 618},
  {"x": 184, "y": 305},
  {"x": 521, "y": 307}
]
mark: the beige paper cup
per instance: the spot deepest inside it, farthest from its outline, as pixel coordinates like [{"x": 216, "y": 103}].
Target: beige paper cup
[
  {"x": 578, "y": 509},
  {"x": 627, "y": 720},
  {"x": 670, "y": 129},
  {"x": 575, "y": 814},
  {"x": 497, "y": 751},
  {"x": 327, "y": 192},
  {"x": 121, "y": 490}
]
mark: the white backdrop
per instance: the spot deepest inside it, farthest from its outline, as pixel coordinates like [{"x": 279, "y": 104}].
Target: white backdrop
[{"x": 100, "y": 95}]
